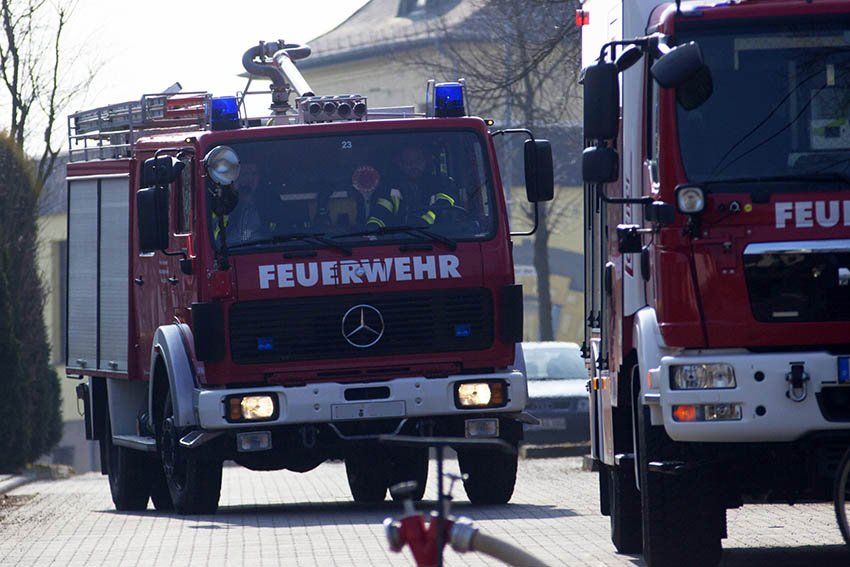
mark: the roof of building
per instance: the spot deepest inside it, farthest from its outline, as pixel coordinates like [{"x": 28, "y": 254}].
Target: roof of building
[{"x": 383, "y": 26}]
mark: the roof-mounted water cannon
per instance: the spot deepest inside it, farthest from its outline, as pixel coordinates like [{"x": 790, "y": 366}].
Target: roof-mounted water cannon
[{"x": 276, "y": 60}]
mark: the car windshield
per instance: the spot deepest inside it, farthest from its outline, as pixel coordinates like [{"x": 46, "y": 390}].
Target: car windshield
[
  {"x": 554, "y": 363},
  {"x": 780, "y": 107},
  {"x": 359, "y": 189}
]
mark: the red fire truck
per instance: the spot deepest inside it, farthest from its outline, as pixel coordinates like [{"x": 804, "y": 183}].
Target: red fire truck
[
  {"x": 285, "y": 290},
  {"x": 717, "y": 168}
]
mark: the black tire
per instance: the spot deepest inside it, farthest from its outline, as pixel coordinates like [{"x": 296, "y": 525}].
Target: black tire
[
  {"x": 683, "y": 515},
  {"x": 409, "y": 464},
  {"x": 367, "y": 477},
  {"x": 491, "y": 475},
  {"x": 128, "y": 470},
  {"x": 194, "y": 483},
  {"x": 841, "y": 489},
  {"x": 160, "y": 494},
  {"x": 604, "y": 490},
  {"x": 626, "y": 533}
]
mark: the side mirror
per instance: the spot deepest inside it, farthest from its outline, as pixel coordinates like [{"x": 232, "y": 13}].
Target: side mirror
[
  {"x": 659, "y": 212},
  {"x": 161, "y": 170},
  {"x": 677, "y": 65},
  {"x": 539, "y": 173},
  {"x": 152, "y": 216},
  {"x": 599, "y": 164},
  {"x": 601, "y": 101},
  {"x": 696, "y": 90}
]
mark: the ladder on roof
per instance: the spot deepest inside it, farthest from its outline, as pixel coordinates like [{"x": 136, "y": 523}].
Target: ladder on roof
[{"x": 109, "y": 132}]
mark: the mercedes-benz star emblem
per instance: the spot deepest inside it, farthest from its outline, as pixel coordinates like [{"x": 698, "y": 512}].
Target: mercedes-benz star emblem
[{"x": 362, "y": 326}]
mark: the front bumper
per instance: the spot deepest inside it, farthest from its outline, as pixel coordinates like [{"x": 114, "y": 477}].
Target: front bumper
[
  {"x": 771, "y": 410},
  {"x": 326, "y": 402}
]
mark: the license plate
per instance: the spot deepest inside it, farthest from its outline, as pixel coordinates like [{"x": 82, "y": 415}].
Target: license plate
[
  {"x": 368, "y": 410},
  {"x": 550, "y": 423}
]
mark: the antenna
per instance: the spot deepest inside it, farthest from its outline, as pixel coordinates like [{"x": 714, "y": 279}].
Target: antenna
[{"x": 678, "y": 6}]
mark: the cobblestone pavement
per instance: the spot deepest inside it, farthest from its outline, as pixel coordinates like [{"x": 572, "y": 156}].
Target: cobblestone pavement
[{"x": 284, "y": 518}]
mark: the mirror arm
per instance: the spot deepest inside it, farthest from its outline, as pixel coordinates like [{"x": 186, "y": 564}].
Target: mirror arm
[
  {"x": 625, "y": 201},
  {"x": 637, "y": 41},
  {"x": 525, "y": 131},
  {"x": 533, "y": 228}
]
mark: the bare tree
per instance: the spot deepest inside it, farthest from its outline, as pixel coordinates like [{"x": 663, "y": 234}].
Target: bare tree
[
  {"x": 521, "y": 60},
  {"x": 31, "y": 61}
]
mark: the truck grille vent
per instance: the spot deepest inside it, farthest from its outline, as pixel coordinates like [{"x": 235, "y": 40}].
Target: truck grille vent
[
  {"x": 312, "y": 328},
  {"x": 809, "y": 286}
]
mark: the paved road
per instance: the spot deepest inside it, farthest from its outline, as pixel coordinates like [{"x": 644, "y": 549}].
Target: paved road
[{"x": 283, "y": 518}]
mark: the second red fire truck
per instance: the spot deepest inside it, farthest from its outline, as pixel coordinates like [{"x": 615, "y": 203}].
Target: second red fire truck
[{"x": 718, "y": 261}]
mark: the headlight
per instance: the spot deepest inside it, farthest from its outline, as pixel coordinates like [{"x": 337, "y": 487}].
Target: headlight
[
  {"x": 222, "y": 165},
  {"x": 690, "y": 200},
  {"x": 702, "y": 376},
  {"x": 261, "y": 407},
  {"x": 491, "y": 394}
]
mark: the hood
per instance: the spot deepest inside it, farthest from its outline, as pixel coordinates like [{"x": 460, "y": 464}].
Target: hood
[{"x": 574, "y": 388}]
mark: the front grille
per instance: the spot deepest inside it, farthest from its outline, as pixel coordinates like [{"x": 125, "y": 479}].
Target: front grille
[
  {"x": 799, "y": 286},
  {"x": 313, "y": 329}
]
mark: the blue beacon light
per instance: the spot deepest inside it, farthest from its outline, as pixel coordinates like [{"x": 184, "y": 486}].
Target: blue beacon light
[
  {"x": 224, "y": 113},
  {"x": 448, "y": 100}
]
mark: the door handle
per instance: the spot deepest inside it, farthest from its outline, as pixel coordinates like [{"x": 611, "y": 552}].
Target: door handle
[
  {"x": 139, "y": 281},
  {"x": 173, "y": 280}
]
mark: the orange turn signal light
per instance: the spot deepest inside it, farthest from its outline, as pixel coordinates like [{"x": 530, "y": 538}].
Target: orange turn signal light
[{"x": 685, "y": 413}]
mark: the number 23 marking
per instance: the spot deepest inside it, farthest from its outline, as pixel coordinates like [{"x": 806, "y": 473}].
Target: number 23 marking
[{"x": 346, "y": 144}]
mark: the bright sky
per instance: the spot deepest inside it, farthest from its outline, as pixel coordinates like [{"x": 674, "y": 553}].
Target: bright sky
[{"x": 145, "y": 46}]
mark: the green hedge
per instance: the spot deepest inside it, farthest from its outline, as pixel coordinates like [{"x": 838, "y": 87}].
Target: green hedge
[{"x": 30, "y": 420}]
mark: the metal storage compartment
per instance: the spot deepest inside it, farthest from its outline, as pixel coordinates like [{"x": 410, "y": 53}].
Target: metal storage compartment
[{"x": 98, "y": 233}]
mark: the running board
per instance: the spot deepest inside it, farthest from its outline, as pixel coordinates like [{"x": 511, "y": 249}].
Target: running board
[{"x": 137, "y": 442}]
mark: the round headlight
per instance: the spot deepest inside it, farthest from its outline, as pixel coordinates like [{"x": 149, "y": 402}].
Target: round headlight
[
  {"x": 222, "y": 165},
  {"x": 690, "y": 200}
]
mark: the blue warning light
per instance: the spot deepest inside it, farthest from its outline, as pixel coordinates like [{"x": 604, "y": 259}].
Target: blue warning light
[
  {"x": 224, "y": 113},
  {"x": 448, "y": 100}
]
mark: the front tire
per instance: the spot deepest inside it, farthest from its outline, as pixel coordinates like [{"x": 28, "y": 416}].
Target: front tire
[
  {"x": 367, "y": 477},
  {"x": 491, "y": 475},
  {"x": 193, "y": 482},
  {"x": 409, "y": 464}
]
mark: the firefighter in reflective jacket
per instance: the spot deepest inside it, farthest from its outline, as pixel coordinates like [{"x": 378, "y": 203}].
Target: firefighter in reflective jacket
[{"x": 417, "y": 196}]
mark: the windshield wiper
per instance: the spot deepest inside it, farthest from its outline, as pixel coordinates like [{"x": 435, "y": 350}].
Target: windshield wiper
[
  {"x": 407, "y": 229},
  {"x": 314, "y": 237}
]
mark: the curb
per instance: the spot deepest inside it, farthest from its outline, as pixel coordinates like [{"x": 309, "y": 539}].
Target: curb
[
  {"x": 10, "y": 483},
  {"x": 553, "y": 451}
]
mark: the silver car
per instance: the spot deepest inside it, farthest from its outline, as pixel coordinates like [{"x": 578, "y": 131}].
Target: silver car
[{"x": 557, "y": 392}]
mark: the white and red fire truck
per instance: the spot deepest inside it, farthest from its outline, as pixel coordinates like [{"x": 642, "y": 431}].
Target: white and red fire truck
[
  {"x": 717, "y": 169},
  {"x": 231, "y": 297}
]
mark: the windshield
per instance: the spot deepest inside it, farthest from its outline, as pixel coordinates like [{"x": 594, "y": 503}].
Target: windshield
[
  {"x": 352, "y": 189},
  {"x": 554, "y": 362},
  {"x": 780, "y": 106}
]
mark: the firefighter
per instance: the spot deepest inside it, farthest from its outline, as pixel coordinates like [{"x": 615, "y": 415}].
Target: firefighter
[
  {"x": 417, "y": 196},
  {"x": 244, "y": 223}
]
